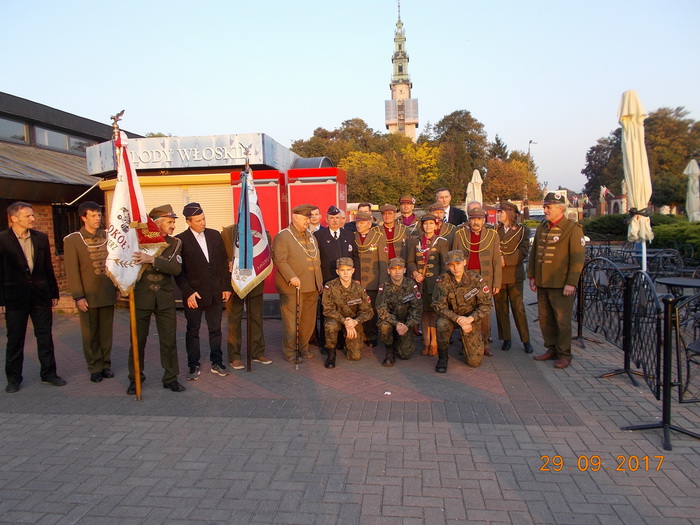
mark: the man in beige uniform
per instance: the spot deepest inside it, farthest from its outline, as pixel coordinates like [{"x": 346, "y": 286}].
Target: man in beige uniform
[
  {"x": 85, "y": 253},
  {"x": 556, "y": 262},
  {"x": 296, "y": 257}
]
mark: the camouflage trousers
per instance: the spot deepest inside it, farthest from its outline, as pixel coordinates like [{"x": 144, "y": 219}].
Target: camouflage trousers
[
  {"x": 353, "y": 347},
  {"x": 404, "y": 343},
  {"x": 472, "y": 343}
]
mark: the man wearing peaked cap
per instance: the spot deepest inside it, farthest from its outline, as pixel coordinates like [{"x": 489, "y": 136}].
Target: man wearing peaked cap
[
  {"x": 161, "y": 212},
  {"x": 153, "y": 295},
  {"x": 399, "y": 308},
  {"x": 407, "y": 217},
  {"x": 295, "y": 253},
  {"x": 556, "y": 262},
  {"x": 442, "y": 227},
  {"x": 333, "y": 242},
  {"x": 395, "y": 233},
  {"x": 373, "y": 255},
  {"x": 205, "y": 282},
  {"x": 346, "y": 306}
]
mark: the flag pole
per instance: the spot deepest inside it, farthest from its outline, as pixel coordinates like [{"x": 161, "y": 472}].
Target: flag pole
[{"x": 132, "y": 305}]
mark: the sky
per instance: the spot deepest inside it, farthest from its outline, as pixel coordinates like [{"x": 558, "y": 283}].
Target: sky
[{"x": 547, "y": 71}]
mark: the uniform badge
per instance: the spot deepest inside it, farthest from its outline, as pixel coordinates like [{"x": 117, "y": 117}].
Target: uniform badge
[
  {"x": 386, "y": 249},
  {"x": 326, "y": 287},
  {"x": 583, "y": 241},
  {"x": 353, "y": 302},
  {"x": 555, "y": 238},
  {"x": 179, "y": 259},
  {"x": 368, "y": 299},
  {"x": 471, "y": 293},
  {"x": 486, "y": 289},
  {"x": 418, "y": 295},
  {"x": 380, "y": 290},
  {"x": 349, "y": 247}
]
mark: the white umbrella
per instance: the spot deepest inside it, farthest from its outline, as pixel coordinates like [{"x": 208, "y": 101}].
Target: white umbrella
[
  {"x": 631, "y": 116},
  {"x": 692, "y": 199},
  {"x": 474, "y": 188}
]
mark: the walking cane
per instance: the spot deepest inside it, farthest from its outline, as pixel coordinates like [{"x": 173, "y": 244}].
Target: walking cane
[{"x": 296, "y": 343}]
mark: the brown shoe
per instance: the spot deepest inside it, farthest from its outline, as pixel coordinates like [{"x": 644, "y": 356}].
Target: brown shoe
[
  {"x": 307, "y": 355},
  {"x": 425, "y": 351},
  {"x": 545, "y": 357},
  {"x": 262, "y": 360},
  {"x": 433, "y": 351},
  {"x": 237, "y": 364},
  {"x": 561, "y": 363}
]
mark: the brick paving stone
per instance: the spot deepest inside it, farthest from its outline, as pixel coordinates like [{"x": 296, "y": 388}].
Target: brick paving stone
[{"x": 318, "y": 446}]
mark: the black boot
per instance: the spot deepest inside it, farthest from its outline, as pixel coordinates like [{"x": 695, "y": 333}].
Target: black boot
[
  {"x": 441, "y": 366},
  {"x": 506, "y": 345},
  {"x": 390, "y": 356},
  {"x": 330, "y": 360},
  {"x": 528, "y": 348}
]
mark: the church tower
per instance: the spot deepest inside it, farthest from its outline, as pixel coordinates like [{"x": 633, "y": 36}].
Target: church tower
[{"x": 401, "y": 112}]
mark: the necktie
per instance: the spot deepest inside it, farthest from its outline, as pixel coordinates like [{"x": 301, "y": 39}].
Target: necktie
[{"x": 335, "y": 235}]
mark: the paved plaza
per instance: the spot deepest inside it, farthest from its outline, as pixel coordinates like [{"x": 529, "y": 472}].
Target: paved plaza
[{"x": 514, "y": 441}]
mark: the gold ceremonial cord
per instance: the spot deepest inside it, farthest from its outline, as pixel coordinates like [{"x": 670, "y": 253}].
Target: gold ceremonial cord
[
  {"x": 462, "y": 232},
  {"x": 395, "y": 239},
  {"x": 313, "y": 242},
  {"x": 370, "y": 246},
  {"x": 506, "y": 242}
]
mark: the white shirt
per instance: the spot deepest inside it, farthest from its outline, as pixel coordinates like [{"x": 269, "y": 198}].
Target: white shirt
[
  {"x": 335, "y": 233},
  {"x": 202, "y": 240}
]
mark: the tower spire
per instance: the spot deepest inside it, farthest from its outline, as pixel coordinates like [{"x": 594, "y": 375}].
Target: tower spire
[{"x": 401, "y": 112}]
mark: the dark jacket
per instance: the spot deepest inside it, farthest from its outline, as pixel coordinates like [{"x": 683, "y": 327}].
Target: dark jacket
[
  {"x": 18, "y": 287},
  {"x": 457, "y": 216},
  {"x": 208, "y": 278},
  {"x": 332, "y": 250}
]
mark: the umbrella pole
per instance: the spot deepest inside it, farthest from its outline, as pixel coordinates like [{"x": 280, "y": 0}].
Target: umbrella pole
[{"x": 644, "y": 256}]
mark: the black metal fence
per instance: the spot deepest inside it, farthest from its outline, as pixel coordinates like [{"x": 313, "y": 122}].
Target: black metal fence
[{"x": 660, "y": 335}]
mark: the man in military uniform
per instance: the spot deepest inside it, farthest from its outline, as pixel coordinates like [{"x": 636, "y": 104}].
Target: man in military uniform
[
  {"x": 153, "y": 294},
  {"x": 346, "y": 306},
  {"x": 399, "y": 308},
  {"x": 395, "y": 234},
  {"x": 372, "y": 250},
  {"x": 556, "y": 262},
  {"x": 234, "y": 313},
  {"x": 85, "y": 253},
  {"x": 407, "y": 217},
  {"x": 296, "y": 257},
  {"x": 461, "y": 298},
  {"x": 481, "y": 247}
]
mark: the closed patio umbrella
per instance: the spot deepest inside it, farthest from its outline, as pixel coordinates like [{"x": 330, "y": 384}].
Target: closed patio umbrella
[
  {"x": 631, "y": 115},
  {"x": 692, "y": 198},
  {"x": 474, "y": 188}
]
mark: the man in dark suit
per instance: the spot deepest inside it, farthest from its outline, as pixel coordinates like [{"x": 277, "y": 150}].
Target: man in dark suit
[
  {"x": 28, "y": 288},
  {"x": 453, "y": 215},
  {"x": 334, "y": 242},
  {"x": 205, "y": 282}
]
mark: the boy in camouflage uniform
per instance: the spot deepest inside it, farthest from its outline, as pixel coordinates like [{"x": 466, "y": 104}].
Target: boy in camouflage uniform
[
  {"x": 399, "y": 308},
  {"x": 461, "y": 298},
  {"x": 346, "y": 306}
]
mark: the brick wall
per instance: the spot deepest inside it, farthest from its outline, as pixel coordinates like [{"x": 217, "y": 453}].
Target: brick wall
[{"x": 43, "y": 215}]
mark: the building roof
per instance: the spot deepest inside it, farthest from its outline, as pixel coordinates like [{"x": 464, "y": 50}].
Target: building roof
[{"x": 39, "y": 174}]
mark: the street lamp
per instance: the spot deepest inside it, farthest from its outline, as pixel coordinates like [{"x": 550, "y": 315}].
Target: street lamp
[{"x": 528, "y": 147}]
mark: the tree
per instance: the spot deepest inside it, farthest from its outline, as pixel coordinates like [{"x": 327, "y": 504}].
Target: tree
[
  {"x": 671, "y": 140},
  {"x": 498, "y": 149},
  {"x": 463, "y": 148},
  {"x": 508, "y": 180},
  {"x": 152, "y": 134}
]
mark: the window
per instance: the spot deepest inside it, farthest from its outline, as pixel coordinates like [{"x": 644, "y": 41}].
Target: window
[
  {"x": 12, "y": 130},
  {"x": 65, "y": 221},
  {"x": 52, "y": 139}
]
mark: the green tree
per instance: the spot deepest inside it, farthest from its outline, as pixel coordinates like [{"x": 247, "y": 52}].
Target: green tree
[
  {"x": 498, "y": 149},
  {"x": 671, "y": 140},
  {"x": 463, "y": 148}
]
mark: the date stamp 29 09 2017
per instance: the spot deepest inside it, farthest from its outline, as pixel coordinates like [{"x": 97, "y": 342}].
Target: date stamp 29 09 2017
[{"x": 593, "y": 463}]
